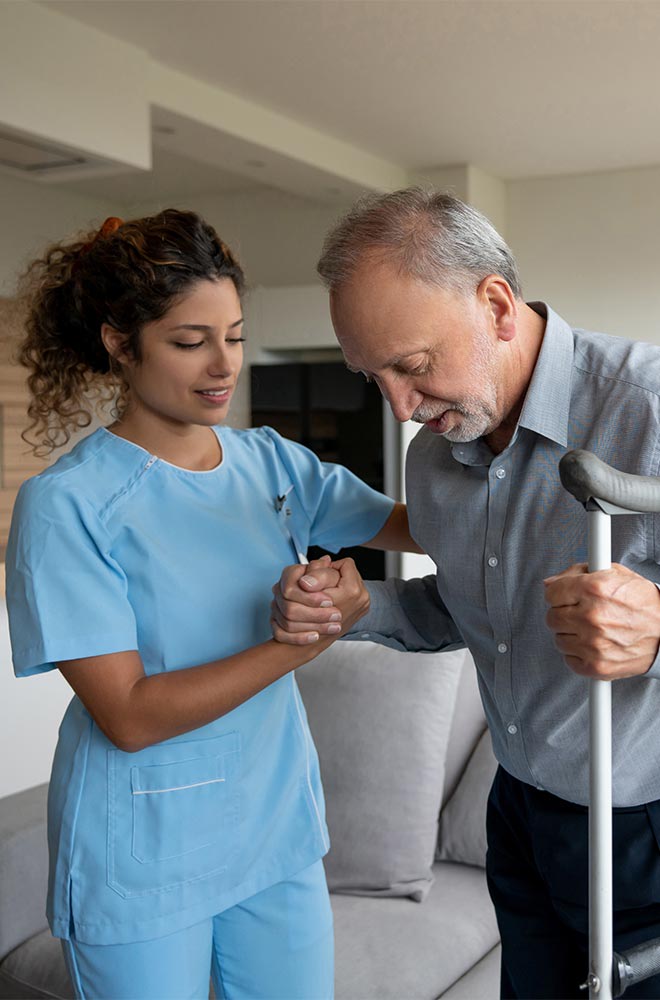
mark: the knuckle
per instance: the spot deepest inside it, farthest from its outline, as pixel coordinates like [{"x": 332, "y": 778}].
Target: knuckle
[{"x": 592, "y": 618}]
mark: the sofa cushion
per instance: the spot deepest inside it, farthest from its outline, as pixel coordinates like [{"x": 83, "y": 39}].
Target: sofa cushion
[
  {"x": 381, "y": 719},
  {"x": 482, "y": 981},
  {"x": 462, "y": 834},
  {"x": 36, "y": 969},
  {"x": 468, "y": 723},
  {"x": 23, "y": 866},
  {"x": 388, "y": 949}
]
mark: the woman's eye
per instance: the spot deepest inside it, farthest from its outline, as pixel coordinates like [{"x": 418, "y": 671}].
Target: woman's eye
[
  {"x": 189, "y": 347},
  {"x": 234, "y": 340}
]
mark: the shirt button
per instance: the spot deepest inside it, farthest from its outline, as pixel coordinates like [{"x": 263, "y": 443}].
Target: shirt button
[
  {"x": 366, "y": 635},
  {"x": 502, "y": 647},
  {"x": 512, "y": 729},
  {"x": 500, "y": 473},
  {"x": 493, "y": 560}
]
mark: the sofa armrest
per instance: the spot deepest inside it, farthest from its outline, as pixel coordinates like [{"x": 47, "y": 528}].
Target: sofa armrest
[{"x": 23, "y": 866}]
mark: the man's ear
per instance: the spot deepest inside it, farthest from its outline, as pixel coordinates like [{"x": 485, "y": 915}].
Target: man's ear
[
  {"x": 494, "y": 292},
  {"x": 115, "y": 344}
]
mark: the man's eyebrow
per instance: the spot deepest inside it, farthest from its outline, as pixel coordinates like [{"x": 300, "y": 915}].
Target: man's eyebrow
[
  {"x": 396, "y": 360},
  {"x": 205, "y": 329}
]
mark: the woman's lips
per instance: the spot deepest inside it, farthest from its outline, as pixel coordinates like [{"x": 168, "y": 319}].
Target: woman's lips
[{"x": 215, "y": 397}]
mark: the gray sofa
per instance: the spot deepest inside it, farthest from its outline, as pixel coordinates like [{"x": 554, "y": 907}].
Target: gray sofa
[{"x": 401, "y": 740}]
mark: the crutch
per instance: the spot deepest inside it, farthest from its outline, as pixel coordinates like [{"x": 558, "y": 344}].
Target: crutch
[{"x": 604, "y": 492}]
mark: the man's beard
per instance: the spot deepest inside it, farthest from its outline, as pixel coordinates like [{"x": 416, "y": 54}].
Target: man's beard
[
  {"x": 479, "y": 413},
  {"x": 477, "y": 418}
]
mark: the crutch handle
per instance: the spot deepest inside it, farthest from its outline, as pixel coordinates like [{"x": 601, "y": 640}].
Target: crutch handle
[
  {"x": 635, "y": 965},
  {"x": 589, "y": 478}
]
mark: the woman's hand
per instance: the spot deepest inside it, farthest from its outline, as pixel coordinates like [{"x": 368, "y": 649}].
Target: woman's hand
[{"x": 323, "y": 598}]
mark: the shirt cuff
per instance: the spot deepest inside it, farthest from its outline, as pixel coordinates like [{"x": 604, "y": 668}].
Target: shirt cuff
[{"x": 654, "y": 669}]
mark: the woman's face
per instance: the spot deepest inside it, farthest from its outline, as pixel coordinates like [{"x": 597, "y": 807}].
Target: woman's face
[{"x": 191, "y": 357}]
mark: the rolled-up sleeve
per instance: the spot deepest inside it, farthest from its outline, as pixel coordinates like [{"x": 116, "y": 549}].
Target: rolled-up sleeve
[{"x": 408, "y": 615}]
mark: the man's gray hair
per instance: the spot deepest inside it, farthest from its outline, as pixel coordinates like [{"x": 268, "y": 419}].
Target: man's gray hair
[{"x": 431, "y": 236}]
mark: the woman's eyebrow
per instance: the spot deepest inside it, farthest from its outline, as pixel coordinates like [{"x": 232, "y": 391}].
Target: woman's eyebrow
[{"x": 202, "y": 328}]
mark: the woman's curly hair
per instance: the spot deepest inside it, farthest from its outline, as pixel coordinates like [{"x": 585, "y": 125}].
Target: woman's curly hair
[{"x": 126, "y": 274}]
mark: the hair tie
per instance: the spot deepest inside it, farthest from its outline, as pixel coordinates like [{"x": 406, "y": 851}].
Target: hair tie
[{"x": 109, "y": 228}]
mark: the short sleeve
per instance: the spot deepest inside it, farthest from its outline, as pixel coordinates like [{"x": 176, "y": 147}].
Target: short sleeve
[
  {"x": 341, "y": 509},
  {"x": 66, "y": 595}
]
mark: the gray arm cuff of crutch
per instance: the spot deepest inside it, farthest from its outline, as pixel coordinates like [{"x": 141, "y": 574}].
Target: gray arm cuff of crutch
[{"x": 587, "y": 477}]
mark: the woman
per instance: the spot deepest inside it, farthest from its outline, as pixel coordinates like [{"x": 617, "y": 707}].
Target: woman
[{"x": 186, "y": 820}]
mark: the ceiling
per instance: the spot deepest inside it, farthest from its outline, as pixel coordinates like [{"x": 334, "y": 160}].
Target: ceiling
[{"x": 519, "y": 88}]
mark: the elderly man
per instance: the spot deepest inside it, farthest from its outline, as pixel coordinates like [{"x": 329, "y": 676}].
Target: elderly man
[{"x": 426, "y": 301}]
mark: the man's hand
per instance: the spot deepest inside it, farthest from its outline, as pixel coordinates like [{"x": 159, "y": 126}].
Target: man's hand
[
  {"x": 322, "y": 599},
  {"x": 606, "y": 624}
]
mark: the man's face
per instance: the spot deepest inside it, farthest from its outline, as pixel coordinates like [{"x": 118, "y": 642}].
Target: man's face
[{"x": 433, "y": 352}]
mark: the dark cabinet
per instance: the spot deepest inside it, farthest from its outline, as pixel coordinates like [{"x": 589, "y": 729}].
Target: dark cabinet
[{"x": 335, "y": 413}]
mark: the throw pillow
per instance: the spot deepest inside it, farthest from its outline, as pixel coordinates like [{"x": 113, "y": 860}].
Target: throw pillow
[
  {"x": 381, "y": 720},
  {"x": 463, "y": 819}
]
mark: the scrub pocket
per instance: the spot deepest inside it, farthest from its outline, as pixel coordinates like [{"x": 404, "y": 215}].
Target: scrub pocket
[
  {"x": 173, "y": 814},
  {"x": 164, "y": 795}
]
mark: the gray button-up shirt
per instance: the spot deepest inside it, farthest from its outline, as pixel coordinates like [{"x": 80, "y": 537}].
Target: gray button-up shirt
[{"x": 496, "y": 525}]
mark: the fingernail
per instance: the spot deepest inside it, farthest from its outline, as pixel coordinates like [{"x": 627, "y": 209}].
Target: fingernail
[
  {"x": 335, "y": 618},
  {"x": 311, "y": 581},
  {"x": 312, "y": 636},
  {"x": 325, "y": 604},
  {"x": 333, "y": 629}
]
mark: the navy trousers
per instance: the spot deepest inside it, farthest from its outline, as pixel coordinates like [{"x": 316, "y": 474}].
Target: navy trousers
[{"x": 537, "y": 866}]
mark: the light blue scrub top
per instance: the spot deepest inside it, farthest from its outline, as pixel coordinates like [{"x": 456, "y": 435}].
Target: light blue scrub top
[{"x": 114, "y": 549}]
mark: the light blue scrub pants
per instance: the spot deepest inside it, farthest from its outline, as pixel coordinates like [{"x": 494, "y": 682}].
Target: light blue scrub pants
[{"x": 277, "y": 945}]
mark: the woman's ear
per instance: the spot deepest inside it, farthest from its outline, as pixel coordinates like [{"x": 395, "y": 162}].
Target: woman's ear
[{"x": 115, "y": 344}]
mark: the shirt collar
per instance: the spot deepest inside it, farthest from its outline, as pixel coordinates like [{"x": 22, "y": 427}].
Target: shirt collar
[{"x": 547, "y": 403}]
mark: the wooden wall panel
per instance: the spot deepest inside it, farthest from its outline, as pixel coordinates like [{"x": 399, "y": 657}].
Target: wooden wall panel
[{"x": 17, "y": 462}]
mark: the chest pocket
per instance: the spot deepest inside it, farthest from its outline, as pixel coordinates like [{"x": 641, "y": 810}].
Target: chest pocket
[{"x": 173, "y": 815}]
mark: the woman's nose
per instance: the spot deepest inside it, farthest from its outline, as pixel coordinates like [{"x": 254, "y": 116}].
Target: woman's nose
[{"x": 220, "y": 363}]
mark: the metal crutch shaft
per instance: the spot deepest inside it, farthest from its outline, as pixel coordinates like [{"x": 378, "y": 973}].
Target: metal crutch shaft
[{"x": 605, "y": 491}]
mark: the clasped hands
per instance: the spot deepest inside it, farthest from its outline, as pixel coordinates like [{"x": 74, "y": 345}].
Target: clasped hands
[
  {"x": 605, "y": 624},
  {"x": 321, "y": 599}
]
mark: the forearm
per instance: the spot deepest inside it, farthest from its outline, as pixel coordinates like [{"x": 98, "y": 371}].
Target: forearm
[
  {"x": 160, "y": 706},
  {"x": 395, "y": 535},
  {"x": 408, "y": 615}
]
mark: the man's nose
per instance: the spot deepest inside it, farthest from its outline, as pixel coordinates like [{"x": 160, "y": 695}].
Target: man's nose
[{"x": 403, "y": 399}]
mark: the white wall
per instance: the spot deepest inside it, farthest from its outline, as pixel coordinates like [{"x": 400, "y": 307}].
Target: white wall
[
  {"x": 277, "y": 236},
  {"x": 31, "y": 711},
  {"x": 35, "y": 214},
  {"x": 590, "y": 246}
]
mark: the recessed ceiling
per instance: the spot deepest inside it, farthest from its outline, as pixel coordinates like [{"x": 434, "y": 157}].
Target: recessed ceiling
[
  {"x": 516, "y": 87},
  {"x": 173, "y": 178}
]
